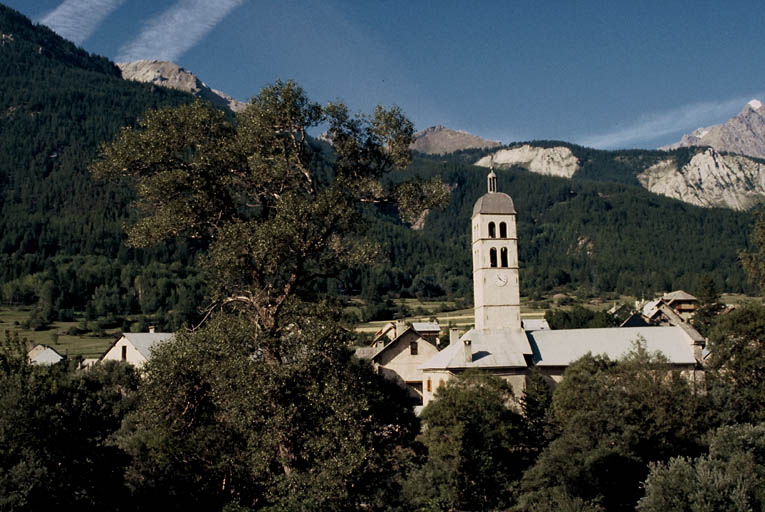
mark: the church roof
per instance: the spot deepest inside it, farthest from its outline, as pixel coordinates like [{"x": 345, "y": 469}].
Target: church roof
[
  {"x": 494, "y": 203},
  {"x": 563, "y": 347},
  {"x": 495, "y": 348}
]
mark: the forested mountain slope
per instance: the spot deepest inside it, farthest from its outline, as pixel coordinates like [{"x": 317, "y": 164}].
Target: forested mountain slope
[
  {"x": 607, "y": 236},
  {"x": 61, "y": 236},
  {"x": 57, "y": 104}
]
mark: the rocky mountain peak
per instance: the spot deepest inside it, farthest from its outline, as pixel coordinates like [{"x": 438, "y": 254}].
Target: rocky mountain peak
[
  {"x": 440, "y": 140},
  {"x": 169, "y": 74},
  {"x": 754, "y": 104},
  {"x": 743, "y": 134},
  {"x": 709, "y": 179}
]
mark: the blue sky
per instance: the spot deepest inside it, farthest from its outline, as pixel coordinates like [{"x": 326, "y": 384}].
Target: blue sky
[{"x": 606, "y": 74}]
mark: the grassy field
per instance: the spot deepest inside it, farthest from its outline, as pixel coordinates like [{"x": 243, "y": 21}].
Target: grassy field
[
  {"x": 89, "y": 345},
  {"x": 11, "y": 319}
]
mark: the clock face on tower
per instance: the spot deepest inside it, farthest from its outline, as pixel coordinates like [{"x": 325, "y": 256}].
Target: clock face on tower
[{"x": 501, "y": 280}]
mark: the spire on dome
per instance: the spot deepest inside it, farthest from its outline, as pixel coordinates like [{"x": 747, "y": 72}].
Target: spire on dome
[{"x": 492, "y": 178}]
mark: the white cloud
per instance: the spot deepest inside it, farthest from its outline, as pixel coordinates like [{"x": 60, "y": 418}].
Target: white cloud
[
  {"x": 180, "y": 27},
  {"x": 77, "y": 19},
  {"x": 651, "y": 127}
]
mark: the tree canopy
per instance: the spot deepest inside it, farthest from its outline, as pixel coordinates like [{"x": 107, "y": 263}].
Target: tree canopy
[{"x": 274, "y": 213}]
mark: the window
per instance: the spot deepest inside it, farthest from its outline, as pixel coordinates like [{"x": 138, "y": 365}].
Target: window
[
  {"x": 502, "y": 230},
  {"x": 503, "y": 257},
  {"x": 493, "y": 257},
  {"x": 413, "y": 348},
  {"x": 430, "y": 386},
  {"x": 124, "y": 352},
  {"x": 492, "y": 230}
]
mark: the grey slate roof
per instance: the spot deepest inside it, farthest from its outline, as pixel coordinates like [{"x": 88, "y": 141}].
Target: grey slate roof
[
  {"x": 426, "y": 327},
  {"x": 494, "y": 202},
  {"x": 144, "y": 341},
  {"x": 495, "y": 348},
  {"x": 678, "y": 295},
  {"x": 562, "y": 347}
]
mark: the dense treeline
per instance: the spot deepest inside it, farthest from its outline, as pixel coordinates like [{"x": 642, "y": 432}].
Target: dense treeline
[{"x": 210, "y": 423}]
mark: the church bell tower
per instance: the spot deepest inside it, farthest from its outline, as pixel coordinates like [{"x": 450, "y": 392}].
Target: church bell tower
[{"x": 495, "y": 260}]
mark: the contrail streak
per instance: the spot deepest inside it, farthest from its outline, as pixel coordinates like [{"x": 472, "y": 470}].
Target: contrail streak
[
  {"x": 179, "y": 28},
  {"x": 77, "y": 19}
]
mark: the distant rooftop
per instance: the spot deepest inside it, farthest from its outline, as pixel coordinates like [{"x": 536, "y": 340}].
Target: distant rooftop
[{"x": 144, "y": 341}]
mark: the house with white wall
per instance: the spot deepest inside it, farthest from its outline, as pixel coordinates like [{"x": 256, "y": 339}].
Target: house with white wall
[{"x": 135, "y": 347}]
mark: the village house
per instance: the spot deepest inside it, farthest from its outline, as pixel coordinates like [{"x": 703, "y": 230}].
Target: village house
[
  {"x": 43, "y": 354},
  {"x": 501, "y": 344},
  {"x": 135, "y": 347}
]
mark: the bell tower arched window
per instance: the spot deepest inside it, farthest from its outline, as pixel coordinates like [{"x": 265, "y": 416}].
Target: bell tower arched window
[
  {"x": 492, "y": 230},
  {"x": 503, "y": 257},
  {"x": 502, "y": 230},
  {"x": 493, "y": 257}
]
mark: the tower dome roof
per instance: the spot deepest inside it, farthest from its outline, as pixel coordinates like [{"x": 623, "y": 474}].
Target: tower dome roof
[{"x": 494, "y": 203}]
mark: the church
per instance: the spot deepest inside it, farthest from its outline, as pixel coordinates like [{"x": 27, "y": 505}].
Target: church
[{"x": 498, "y": 342}]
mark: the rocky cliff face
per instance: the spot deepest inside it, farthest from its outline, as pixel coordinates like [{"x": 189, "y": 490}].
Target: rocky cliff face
[
  {"x": 558, "y": 161},
  {"x": 439, "y": 140},
  {"x": 743, "y": 134},
  {"x": 171, "y": 75},
  {"x": 709, "y": 179}
]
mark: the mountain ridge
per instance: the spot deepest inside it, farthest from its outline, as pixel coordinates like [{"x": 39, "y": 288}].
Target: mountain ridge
[
  {"x": 695, "y": 175},
  {"x": 743, "y": 134},
  {"x": 169, "y": 74},
  {"x": 438, "y": 140}
]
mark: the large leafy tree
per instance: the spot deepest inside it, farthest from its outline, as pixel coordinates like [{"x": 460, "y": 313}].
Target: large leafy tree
[
  {"x": 217, "y": 424},
  {"x": 55, "y": 427},
  {"x": 275, "y": 213},
  {"x": 736, "y": 364},
  {"x": 614, "y": 418},
  {"x": 474, "y": 437},
  {"x": 730, "y": 478},
  {"x": 263, "y": 406}
]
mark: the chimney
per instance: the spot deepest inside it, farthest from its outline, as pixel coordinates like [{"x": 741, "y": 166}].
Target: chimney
[
  {"x": 399, "y": 328},
  {"x": 468, "y": 351},
  {"x": 454, "y": 335},
  {"x": 151, "y": 329}
]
